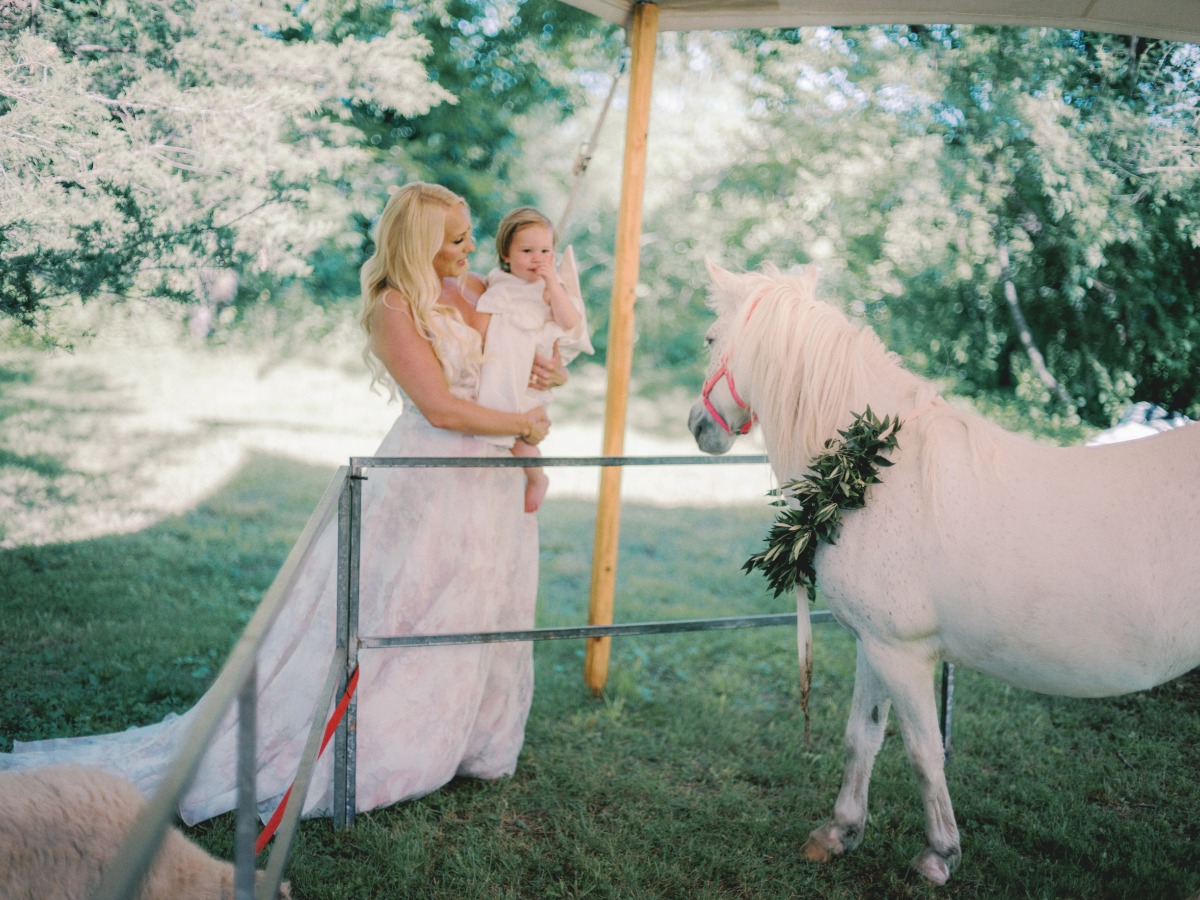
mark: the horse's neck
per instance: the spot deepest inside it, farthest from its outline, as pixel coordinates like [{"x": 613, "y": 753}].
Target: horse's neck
[
  {"x": 891, "y": 390},
  {"x": 839, "y": 385}
]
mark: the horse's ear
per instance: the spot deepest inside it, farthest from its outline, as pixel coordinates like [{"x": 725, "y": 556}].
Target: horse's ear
[
  {"x": 726, "y": 284},
  {"x": 723, "y": 278},
  {"x": 810, "y": 277}
]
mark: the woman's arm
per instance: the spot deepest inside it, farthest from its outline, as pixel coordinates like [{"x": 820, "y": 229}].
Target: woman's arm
[{"x": 410, "y": 360}]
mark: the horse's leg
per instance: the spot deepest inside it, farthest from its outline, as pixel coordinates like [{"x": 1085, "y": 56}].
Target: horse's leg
[
  {"x": 864, "y": 736},
  {"x": 909, "y": 681}
]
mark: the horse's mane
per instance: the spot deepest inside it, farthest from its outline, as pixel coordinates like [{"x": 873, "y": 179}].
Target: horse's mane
[{"x": 830, "y": 365}]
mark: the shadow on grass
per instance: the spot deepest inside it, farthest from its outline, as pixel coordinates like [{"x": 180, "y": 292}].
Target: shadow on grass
[{"x": 115, "y": 631}]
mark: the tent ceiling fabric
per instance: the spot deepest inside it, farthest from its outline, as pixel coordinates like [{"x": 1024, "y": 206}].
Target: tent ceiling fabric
[{"x": 1177, "y": 20}]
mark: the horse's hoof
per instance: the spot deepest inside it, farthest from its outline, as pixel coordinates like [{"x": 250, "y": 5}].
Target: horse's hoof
[
  {"x": 814, "y": 852},
  {"x": 935, "y": 867},
  {"x": 831, "y": 840}
]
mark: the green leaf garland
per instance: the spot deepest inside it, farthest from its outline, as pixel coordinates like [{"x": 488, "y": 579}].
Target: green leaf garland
[{"x": 812, "y": 505}]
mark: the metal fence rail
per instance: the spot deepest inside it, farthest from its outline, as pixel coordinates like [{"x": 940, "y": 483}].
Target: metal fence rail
[
  {"x": 505, "y": 462},
  {"x": 349, "y": 551},
  {"x": 724, "y": 623}
]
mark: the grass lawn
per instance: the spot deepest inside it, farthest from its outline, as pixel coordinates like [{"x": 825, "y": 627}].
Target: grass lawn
[{"x": 689, "y": 778}]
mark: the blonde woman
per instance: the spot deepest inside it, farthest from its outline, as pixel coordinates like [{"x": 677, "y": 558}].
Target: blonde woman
[{"x": 443, "y": 550}]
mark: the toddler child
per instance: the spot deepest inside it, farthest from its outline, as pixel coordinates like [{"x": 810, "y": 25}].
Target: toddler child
[{"x": 533, "y": 307}]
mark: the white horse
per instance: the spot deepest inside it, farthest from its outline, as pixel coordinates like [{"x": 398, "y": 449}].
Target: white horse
[{"x": 1039, "y": 565}]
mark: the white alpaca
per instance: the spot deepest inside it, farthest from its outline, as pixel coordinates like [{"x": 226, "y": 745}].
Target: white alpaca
[{"x": 61, "y": 827}]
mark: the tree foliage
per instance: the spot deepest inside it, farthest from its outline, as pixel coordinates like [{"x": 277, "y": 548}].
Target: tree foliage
[
  {"x": 147, "y": 141},
  {"x": 141, "y": 141},
  {"x": 1070, "y": 272},
  {"x": 512, "y": 68},
  {"x": 506, "y": 64},
  {"x": 1013, "y": 209}
]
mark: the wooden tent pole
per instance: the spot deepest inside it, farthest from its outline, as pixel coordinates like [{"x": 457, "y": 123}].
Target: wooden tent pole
[{"x": 644, "y": 30}]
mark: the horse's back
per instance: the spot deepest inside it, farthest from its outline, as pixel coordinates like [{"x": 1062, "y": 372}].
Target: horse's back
[
  {"x": 1142, "y": 496},
  {"x": 1168, "y": 460},
  {"x": 1064, "y": 570}
]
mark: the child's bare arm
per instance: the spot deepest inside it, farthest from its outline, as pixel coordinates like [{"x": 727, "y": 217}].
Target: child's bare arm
[{"x": 561, "y": 308}]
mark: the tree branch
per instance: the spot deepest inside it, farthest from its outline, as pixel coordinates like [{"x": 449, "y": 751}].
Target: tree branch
[
  {"x": 100, "y": 48},
  {"x": 1014, "y": 308}
]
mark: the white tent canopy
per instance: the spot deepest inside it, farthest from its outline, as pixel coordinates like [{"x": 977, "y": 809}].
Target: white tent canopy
[{"x": 1177, "y": 20}]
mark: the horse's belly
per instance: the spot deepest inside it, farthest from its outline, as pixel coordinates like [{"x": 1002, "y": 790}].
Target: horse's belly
[
  {"x": 1055, "y": 673},
  {"x": 1083, "y": 617},
  {"x": 1091, "y": 644}
]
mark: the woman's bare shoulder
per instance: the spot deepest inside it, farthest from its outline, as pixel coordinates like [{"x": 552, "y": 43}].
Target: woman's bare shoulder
[
  {"x": 473, "y": 286},
  {"x": 393, "y": 305},
  {"x": 393, "y": 299},
  {"x": 392, "y": 316}
]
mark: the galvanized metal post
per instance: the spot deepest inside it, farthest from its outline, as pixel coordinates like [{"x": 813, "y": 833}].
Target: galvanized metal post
[
  {"x": 349, "y": 552},
  {"x": 350, "y": 723},
  {"x": 246, "y": 824}
]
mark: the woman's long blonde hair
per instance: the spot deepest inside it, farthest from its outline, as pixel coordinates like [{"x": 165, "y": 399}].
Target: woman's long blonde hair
[{"x": 409, "y": 235}]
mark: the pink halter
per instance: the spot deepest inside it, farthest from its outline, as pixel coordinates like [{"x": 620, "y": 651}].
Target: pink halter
[{"x": 722, "y": 371}]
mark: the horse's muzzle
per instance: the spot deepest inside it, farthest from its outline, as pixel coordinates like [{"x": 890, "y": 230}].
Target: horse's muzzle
[{"x": 710, "y": 437}]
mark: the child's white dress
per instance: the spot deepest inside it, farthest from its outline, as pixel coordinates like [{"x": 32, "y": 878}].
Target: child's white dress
[{"x": 521, "y": 325}]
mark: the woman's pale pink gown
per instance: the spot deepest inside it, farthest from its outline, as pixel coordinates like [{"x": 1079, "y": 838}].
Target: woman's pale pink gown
[{"x": 443, "y": 550}]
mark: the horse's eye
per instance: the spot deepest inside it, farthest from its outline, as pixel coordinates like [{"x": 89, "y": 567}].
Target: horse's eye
[{"x": 708, "y": 341}]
